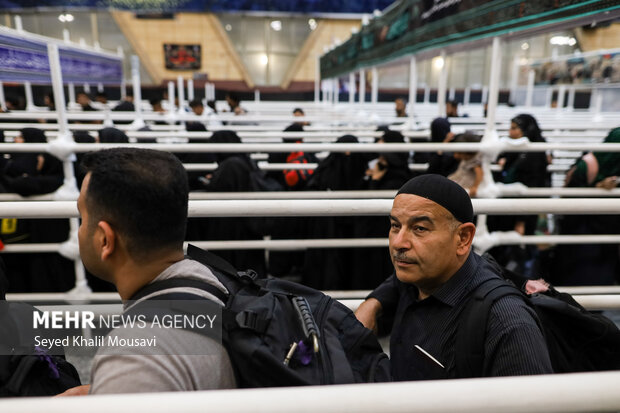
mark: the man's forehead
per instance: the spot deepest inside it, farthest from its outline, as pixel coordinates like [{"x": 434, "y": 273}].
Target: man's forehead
[{"x": 409, "y": 205}]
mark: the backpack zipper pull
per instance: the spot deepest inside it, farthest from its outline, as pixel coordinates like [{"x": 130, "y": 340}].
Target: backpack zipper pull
[{"x": 290, "y": 353}]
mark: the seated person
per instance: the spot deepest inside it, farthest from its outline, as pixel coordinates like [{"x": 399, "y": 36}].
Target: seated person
[{"x": 430, "y": 244}]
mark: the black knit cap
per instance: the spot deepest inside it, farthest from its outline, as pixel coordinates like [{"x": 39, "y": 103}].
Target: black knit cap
[{"x": 442, "y": 191}]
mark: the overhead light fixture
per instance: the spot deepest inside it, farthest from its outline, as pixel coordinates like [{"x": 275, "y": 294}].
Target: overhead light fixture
[
  {"x": 66, "y": 17},
  {"x": 312, "y": 24},
  {"x": 525, "y": 46},
  {"x": 264, "y": 59},
  {"x": 438, "y": 62},
  {"x": 228, "y": 27},
  {"x": 276, "y": 25},
  {"x": 563, "y": 41}
]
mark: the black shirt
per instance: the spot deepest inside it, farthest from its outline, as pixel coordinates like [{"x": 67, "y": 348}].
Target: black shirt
[{"x": 514, "y": 344}]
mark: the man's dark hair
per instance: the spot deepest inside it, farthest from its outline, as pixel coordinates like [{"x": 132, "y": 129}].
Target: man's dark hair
[
  {"x": 195, "y": 103},
  {"x": 234, "y": 97},
  {"x": 142, "y": 194},
  {"x": 453, "y": 102},
  {"x": 300, "y": 110}
]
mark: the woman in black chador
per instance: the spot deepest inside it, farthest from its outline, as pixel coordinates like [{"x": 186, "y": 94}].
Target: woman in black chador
[
  {"x": 232, "y": 175},
  {"x": 29, "y": 174},
  {"x": 391, "y": 170},
  {"x": 329, "y": 268}
]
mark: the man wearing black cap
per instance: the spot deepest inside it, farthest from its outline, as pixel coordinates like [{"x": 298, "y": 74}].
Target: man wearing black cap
[{"x": 430, "y": 238}]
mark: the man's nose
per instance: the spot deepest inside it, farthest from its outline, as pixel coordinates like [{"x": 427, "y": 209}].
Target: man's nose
[{"x": 400, "y": 240}]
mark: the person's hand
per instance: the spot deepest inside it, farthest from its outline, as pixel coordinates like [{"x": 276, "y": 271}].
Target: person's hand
[
  {"x": 378, "y": 171},
  {"x": 608, "y": 183},
  {"x": 75, "y": 391},
  {"x": 449, "y": 137},
  {"x": 367, "y": 313},
  {"x": 536, "y": 286}
]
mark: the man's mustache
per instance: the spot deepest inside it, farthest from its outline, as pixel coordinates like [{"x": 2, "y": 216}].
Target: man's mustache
[{"x": 401, "y": 256}]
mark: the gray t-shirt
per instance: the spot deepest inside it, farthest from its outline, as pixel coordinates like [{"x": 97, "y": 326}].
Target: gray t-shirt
[{"x": 175, "y": 367}]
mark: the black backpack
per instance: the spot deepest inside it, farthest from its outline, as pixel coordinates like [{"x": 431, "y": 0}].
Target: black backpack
[
  {"x": 279, "y": 333},
  {"x": 577, "y": 340},
  {"x": 29, "y": 371}
]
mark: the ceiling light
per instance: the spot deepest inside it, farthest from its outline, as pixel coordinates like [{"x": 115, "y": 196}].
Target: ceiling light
[
  {"x": 66, "y": 17},
  {"x": 264, "y": 59},
  {"x": 563, "y": 41},
  {"x": 228, "y": 27},
  {"x": 438, "y": 62},
  {"x": 525, "y": 46},
  {"x": 312, "y": 24},
  {"x": 276, "y": 25}
]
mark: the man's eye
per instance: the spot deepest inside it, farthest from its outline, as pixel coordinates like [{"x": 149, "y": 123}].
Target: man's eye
[{"x": 418, "y": 228}]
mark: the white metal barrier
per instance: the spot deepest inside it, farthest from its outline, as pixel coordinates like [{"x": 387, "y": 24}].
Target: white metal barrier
[
  {"x": 561, "y": 393},
  {"x": 336, "y": 207}
]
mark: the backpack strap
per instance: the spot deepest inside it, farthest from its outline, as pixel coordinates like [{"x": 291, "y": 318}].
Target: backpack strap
[
  {"x": 471, "y": 332},
  {"x": 179, "y": 283},
  {"x": 228, "y": 275}
]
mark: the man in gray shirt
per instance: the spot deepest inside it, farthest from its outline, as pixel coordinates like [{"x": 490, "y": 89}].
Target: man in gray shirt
[{"x": 133, "y": 208}]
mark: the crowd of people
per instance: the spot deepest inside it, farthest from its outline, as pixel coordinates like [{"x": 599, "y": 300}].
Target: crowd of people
[
  {"x": 330, "y": 268},
  {"x": 133, "y": 207}
]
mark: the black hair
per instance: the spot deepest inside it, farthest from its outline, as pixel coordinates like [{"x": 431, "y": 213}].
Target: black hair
[
  {"x": 195, "y": 103},
  {"x": 234, "y": 97},
  {"x": 142, "y": 194},
  {"x": 529, "y": 127},
  {"x": 102, "y": 94},
  {"x": 300, "y": 110},
  {"x": 453, "y": 102}
]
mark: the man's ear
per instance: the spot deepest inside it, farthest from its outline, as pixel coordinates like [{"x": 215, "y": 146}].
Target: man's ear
[
  {"x": 108, "y": 240},
  {"x": 465, "y": 234}
]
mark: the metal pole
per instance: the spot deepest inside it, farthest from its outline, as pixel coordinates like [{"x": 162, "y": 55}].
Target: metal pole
[
  {"x": 121, "y": 53},
  {"x": 181, "y": 93},
  {"x": 29, "y": 100},
  {"x": 413, "y": 86},
  {"x": 485, "y": 94},
  {"x": 2, "y": 98},
  {"x": 190, "y": 89},
  {"x": 256, "y": 95},
  {"x": 137, "y": 91},
  {"x": 451, "y": 93},
  {"x": 317, "y": 79},
  {"x": 496, "y": 64},
  {"x": 69, "y": 187},
  {"x": 561, "y": 97},
  {"x": 427, "y": 94},
  {"x": 336, "y": 88},
  {"x": 66, "y": 37},
  {"x": 351, "y": 88},
  {"x": 529, "y": 96},
  {"x": 87, "y": 88},
  {"x": 71, "y": 89},
  {"x": 549, "y": 97},
  {"x": 490, "y": 133},
  {"x": 374, "y": 97},
  {"x": 362, "y": 92},
  {"x": 171, "y": 95},
  {"x": 514, "y": 80},
  {"x": 18, "y": 23},
  {"x": 441, "y": 87},
  {"x": 467, "y": 96},
  {"x": 570, "y": 105}
]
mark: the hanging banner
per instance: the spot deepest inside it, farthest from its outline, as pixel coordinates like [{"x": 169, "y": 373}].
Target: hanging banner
[
  {"x": 25, "y": 59},
  {"x": 413, "y": 26}
]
